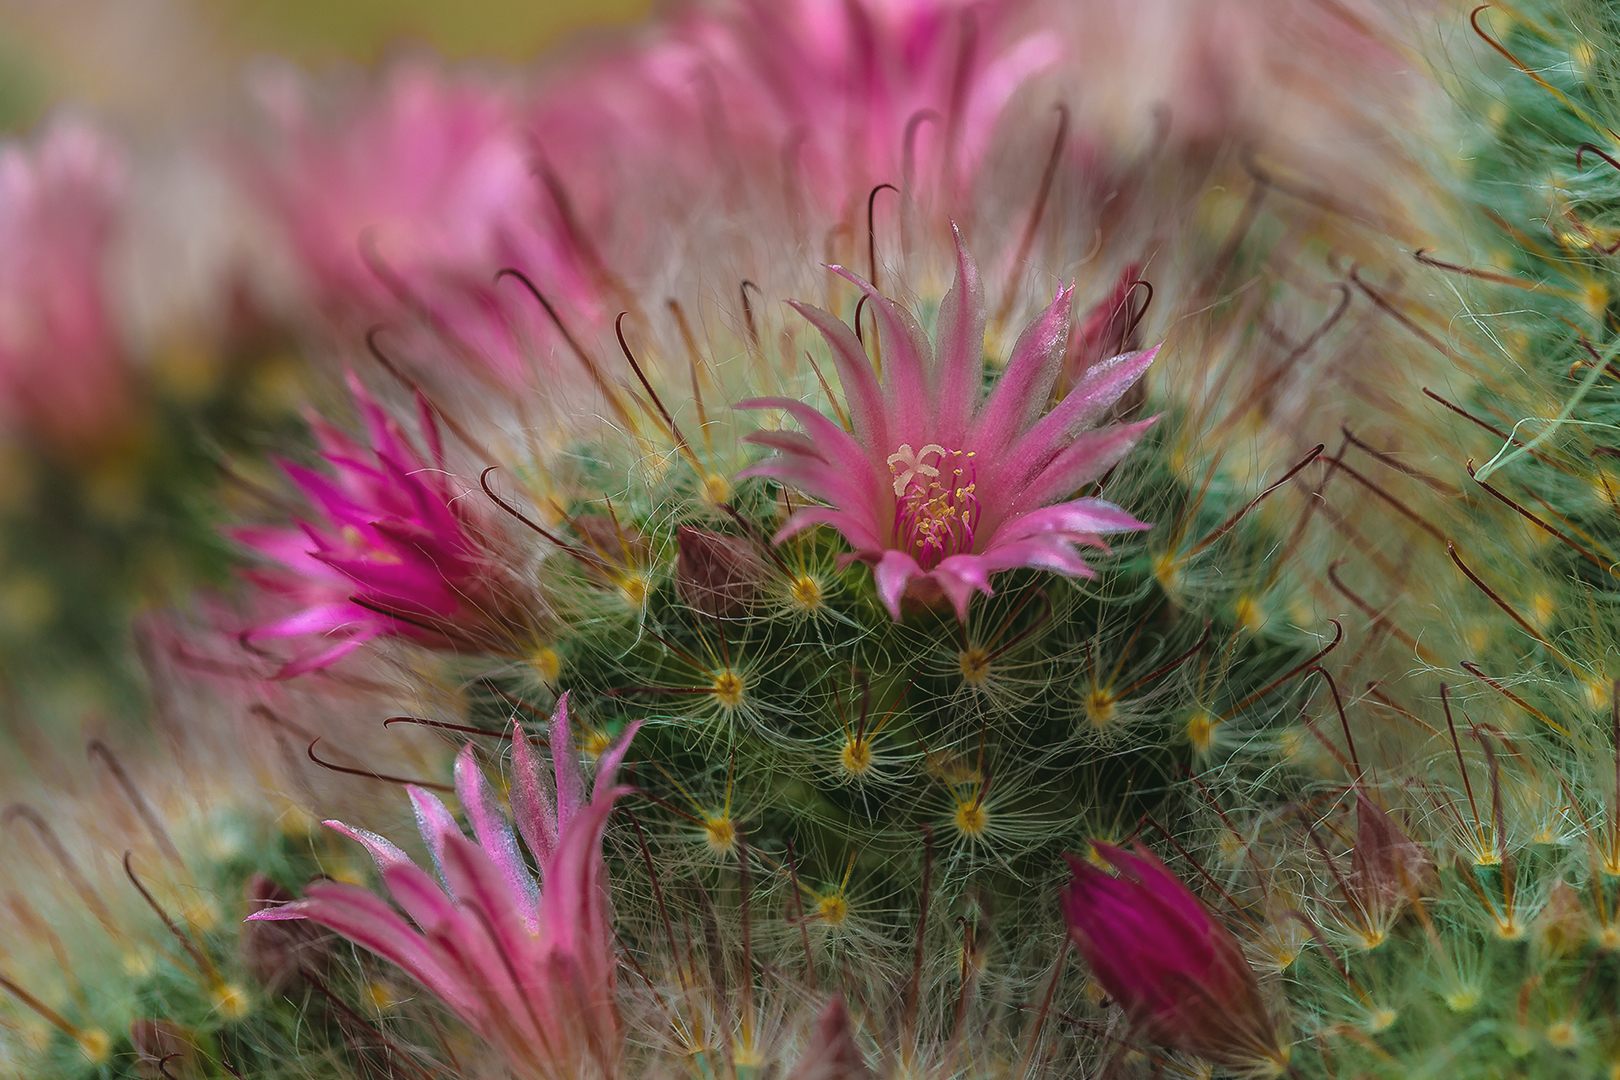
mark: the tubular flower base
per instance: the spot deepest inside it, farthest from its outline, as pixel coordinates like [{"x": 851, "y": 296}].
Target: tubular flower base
[
  {"x": 530, "y": 968},
  {"x": 1179, "y": 975},
  {"x": 395, "y": 553},
  {"x": 936, "y": 490}
]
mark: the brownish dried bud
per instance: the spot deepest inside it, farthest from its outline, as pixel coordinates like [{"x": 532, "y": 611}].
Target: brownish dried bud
[
  {"x": 276, "y": 953},
  {"x": 1108, "y": 329},
  {"x": 832, "y": 1053},
  {"x": 717, "y": 575},
  {"x": 1563, "y": 928},
  {"x": 162, "y": 1046},
  {"x": 614, "y": 544},
  {"x": 1388, "y": 868}
]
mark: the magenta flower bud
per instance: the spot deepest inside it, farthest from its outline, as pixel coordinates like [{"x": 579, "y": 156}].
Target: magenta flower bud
[
  {"x": 1180, "y": 976},
  {"x": 717, "y": 575}
]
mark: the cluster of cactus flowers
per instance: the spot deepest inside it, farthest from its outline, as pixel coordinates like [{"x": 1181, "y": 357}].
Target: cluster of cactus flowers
[{"x": 1179, "y": 647}]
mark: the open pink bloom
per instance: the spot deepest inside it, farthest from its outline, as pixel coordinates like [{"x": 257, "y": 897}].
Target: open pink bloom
[
  {"x": 1179, "y": 975},
  {"x": 395, "y": 551},
  {"x": 64, "y": 377},
  {"x": 935, "y": 489},
  {"x": 529, "y": 967},
  {"x": 407, "y": 203}
]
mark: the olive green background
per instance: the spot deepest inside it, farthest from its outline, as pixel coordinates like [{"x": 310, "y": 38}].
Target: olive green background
[{"x": 161, "y": 63}]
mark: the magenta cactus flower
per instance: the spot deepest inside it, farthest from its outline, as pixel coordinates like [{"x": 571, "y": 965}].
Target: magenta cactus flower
[
  {"x": 394, "y": 551},
  {"x": 529, "y": 967},
  {"x": 64, "y": 377},
  {"x": 1179, "y": 974},
  {"x": 935, "y": 489}
]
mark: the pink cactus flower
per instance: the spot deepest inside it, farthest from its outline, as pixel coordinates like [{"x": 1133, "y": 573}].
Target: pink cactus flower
[
  {"x": 404, "y": 207},
  {"x": 64, "y": 376},
  {"x": 936, "y": 490},
  {"x": 394, "y": 551},
  {"x": 1179, "y": 974},
  {"x": 840, "y": 95},
  {"x": 530, "y": 967}
]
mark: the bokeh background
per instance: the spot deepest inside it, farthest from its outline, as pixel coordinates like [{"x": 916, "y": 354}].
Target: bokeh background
[{"x": 146, "y": 62}]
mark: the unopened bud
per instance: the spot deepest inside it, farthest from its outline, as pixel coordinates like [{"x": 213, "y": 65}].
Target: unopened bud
[
  {"x": 1563, "y": 928},
  {"x": 717, "y": 575},
  {"x": 832, "y": 1052},
  {"x": 278, "y": 953},
  {"x": 1388, "y": 867}
]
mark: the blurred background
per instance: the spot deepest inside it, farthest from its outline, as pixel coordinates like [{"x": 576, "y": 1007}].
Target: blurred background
[{"x": 136, "y": 61}]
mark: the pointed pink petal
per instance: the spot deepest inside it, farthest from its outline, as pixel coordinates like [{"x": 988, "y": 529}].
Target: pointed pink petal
[
  {"x": 565, "y": 765},
  {"x": 382, "y": 850},
  {"x": 366, "y": 920},
  {"x": 1093, "y": 396},
  {"x": 857, "y": 531},
  {"x": 907, "y": 356},
  {"x": 1021, "y": 392},
  {"x": 532, "y": 805},
  {"x": 892, "y": 574},
  {"x": 959, "y": 349},
  {"x": 435, "y": 823},
  {"x": 862, "y": 395},
  {"x": 1082, "y": 517},
  {"x": 494, "y": 833},
  {"x": 1091, "y": 454},
  {"x": 607, "y": 766},
  {"x": 1054, "y": 553}
]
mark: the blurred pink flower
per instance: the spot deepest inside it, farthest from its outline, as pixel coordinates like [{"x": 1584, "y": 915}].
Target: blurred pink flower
[
  {"x": 824, "y": 98},
  {"x": 405, "y": 204},
  {"x": 64, "y": 376},
  {"x": 394, "y": 551},
  {"x": 936, "y": 490},
  {"x": 530, "y": 967},
  {"x": 1179, "y": 975}
]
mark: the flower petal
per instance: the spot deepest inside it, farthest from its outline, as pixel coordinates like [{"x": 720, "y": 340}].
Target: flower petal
[
  {"x": 862, "y": 395},
  {"x": 892, "y": 573},
  {"x": 1023, "y": 388},
  {"x": 959, "y": 350}
]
